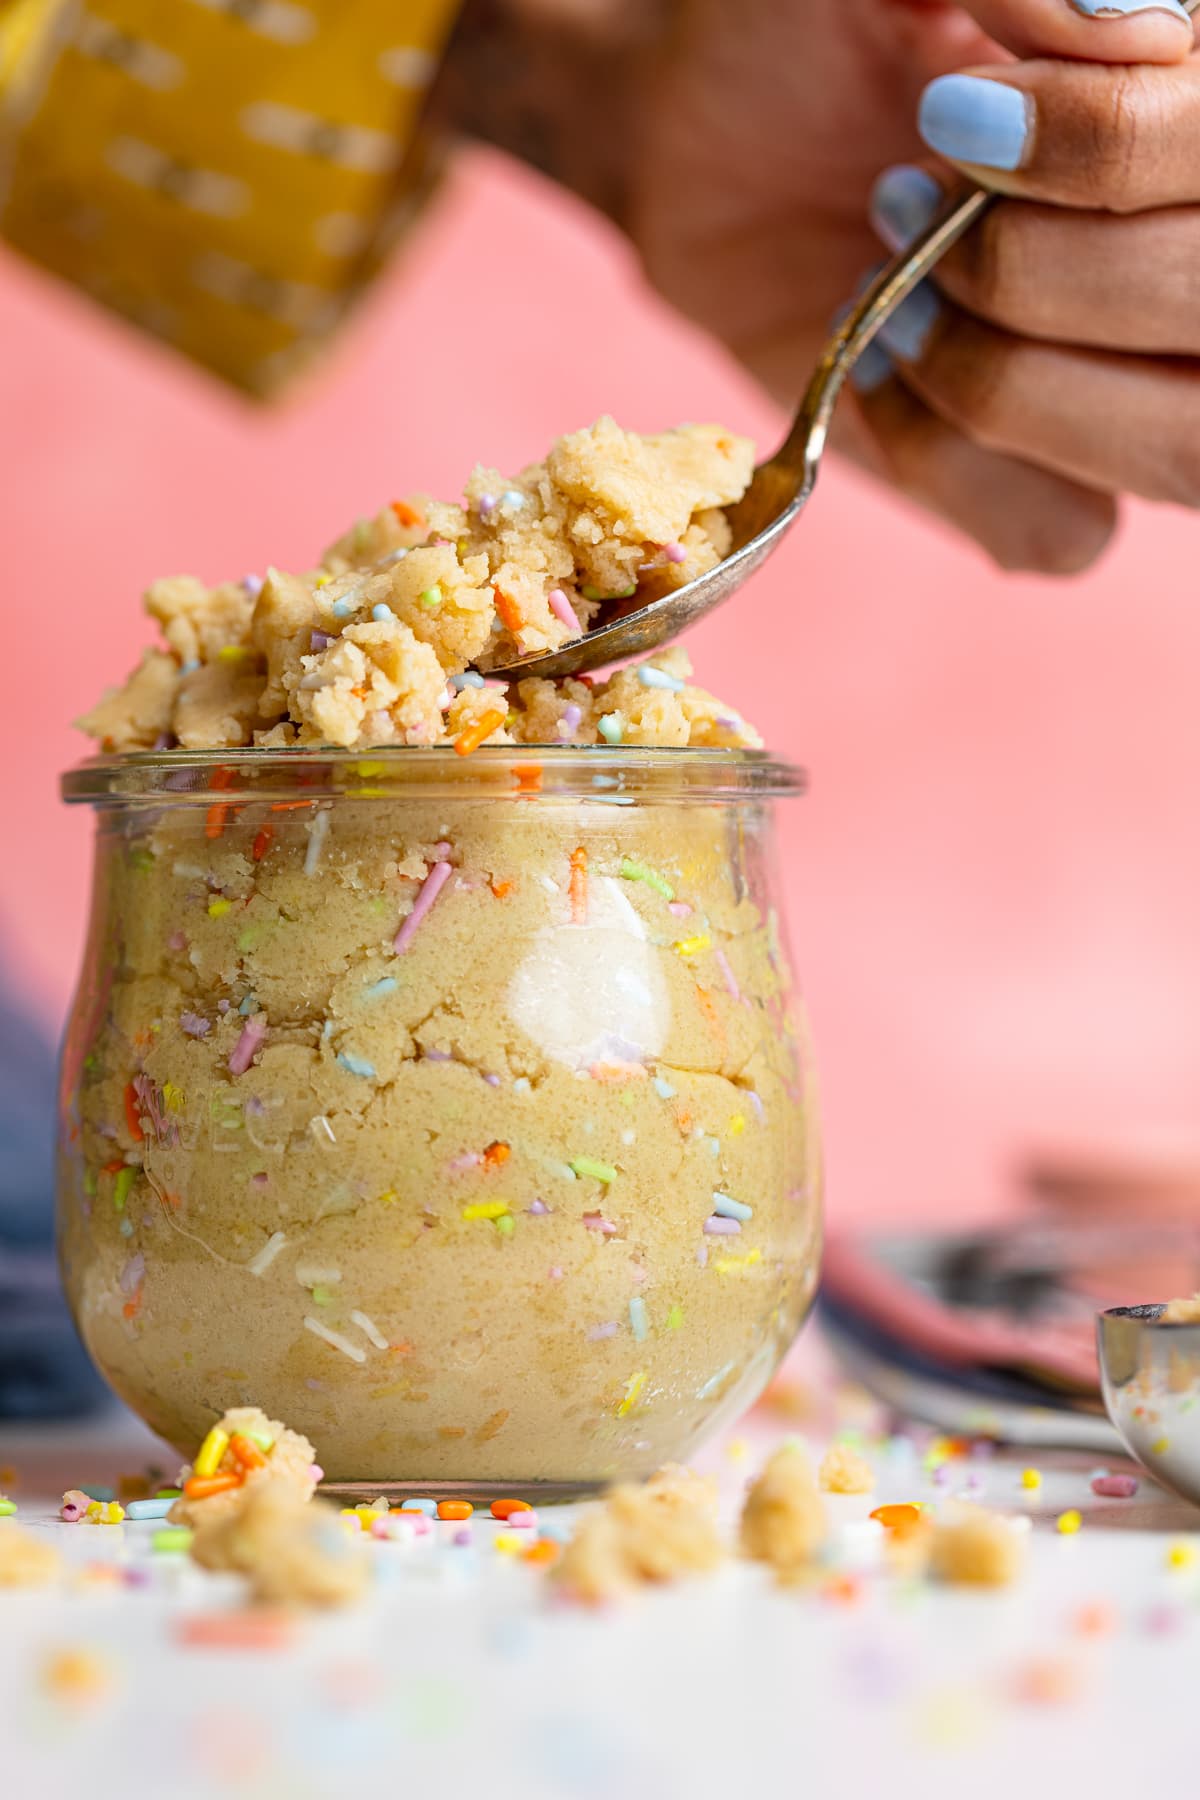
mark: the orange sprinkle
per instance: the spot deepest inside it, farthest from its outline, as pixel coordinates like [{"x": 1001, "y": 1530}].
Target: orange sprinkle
[
  {"x": 262, "y": 843},
  {"x": 506, "y": 606},
  {"x": 709, "y": 1010},
  {"x": 406, "y": 514},
  {"x": 544, "y": 1551},
  {"x": 473, "y": 736},
  {"x": 203, "y": 1487},
  {"x": 843, "y": 1590},
  {"x": 455, "y": 1509},
  {"x": 131, "y": 1113},
  {"x": 578, "y": 888},
  {"x": 246, "y": 1453},
  {"x": 254, "y": 1629},
  {"x": 683, "y": 1119},
  {"x": 113, "y": 1168},
  {"x": 502, "y": 888},
  {"x": 403, "y": 1348},
  {"x": 133, "y": 1305},
  {"x": 529, "y": 778},
  {"x": 289, "y": 805},
  {"x": 222, "y": 778},
  {"x": 216, "y": 818},
  {"x": 618, "y": 1071},
  {"x": 902, "y": 1513},
  {"x": 504, "y": 1509},
  {"x": 174, "y": 1201},
  {"x": 495, "y": 1154}
]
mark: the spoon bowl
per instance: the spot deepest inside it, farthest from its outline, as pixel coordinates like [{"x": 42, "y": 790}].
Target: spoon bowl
[{"x": 1150, "y": 1377}]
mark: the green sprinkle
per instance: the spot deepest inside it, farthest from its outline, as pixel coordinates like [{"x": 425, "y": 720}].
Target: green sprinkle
[
  {"x": 431, "y": 599},
  {"x": 173, "y": 1493},
  {"x": 638, "y": 1321},
  {"x": 175, "y": 1538},
  {"x": 505, "y": 1225},
  {"x": 248, "y": 938},
  {"x": 636, "y": 871},
  {"x": 587, "y": 1165},
  {"x": 122, "y": 1186},
  {"x": 249, "y": 1004},
  {"x": 140, "y": 859},
  {"x": 611, "y": 727},
  {"x": 263, "y": 1439},
  {"x": 323, "y": 1296},
  {"x": 726, "y": 1207},
  {"x": 675, "y": 1318},
  {"x": 591, "y": 593},
  {"x": 89, "y": 1182},
  {"x": 7, "y": 1508}
]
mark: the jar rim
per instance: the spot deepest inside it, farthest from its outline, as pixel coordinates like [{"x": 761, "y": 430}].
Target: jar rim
[{"x": 623, "y": 773}]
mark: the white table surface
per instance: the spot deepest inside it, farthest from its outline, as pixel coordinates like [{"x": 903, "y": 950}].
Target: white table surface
[{"x": 459, "y": 1675}]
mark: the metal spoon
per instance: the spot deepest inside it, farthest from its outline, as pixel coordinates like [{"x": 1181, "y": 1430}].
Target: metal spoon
[{"x": 781, "y": 487}]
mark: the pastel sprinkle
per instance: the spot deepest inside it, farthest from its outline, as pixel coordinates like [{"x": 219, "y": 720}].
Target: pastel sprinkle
[
  {"x": 121, "y": 1187},
  {"x": 569, "y": 723},
  {"x": 1031, "y": 1478},
  {"x": 596, "y": 1333},
  {"x": 193, "y": 1025},
  {"x": 469, "y": 678},
  {"x": 208, "y": 1457},
  {"x": 7, "y": 1507},
  {"x": 174, "y": 1539},
  {"x": 249, "y": 1041},
  {"x": 341, "y": 609},
  {"x": 611, "y": 727},
  {"x": 595, "y": 1221},
  {"x": 431, "y": 598},
  {"x": 523, "y": 1519},
  {"x": 454, "y": 1509},
  {"x": 658, "y": 678},
  {"x": 633, "y": 1390},
  {"x": 356, "y": 1065},
  {"x": 691, "y": 946},
  {"x": 431, "y": 887},
  {"x": 382, "y": 612},
  {"x": 1068, "y": 1523},
  {"x": 563, "y": 611},
  {"x": 734, "y": 1265},
  {"x": 148, "y": 1509},
  {"x": 218, "y": 908},
  {"x": 421, "y": 1505},
  {"x": 507, "y": 1543},
  {"x": 334, "y": 1339},
  {"x": 512, "y": 499},
  {"x": 387, "y": 984},
  {"x": 675, "y": 1318},
  {"x": 727, "y": 975},
  {"x": 1181, "y": 1555},
  {"x": 718, "y": 1227},
  {"x": 638, "y": 1321},
  {"x": 637, "y": 871},
  {"x": 506, "y": 1225},
  {"x": 674, "y": 553},
  {"x": 504, "y": 1509},
  {"x": 729, "y": 1208},
  {"x": 486, "y": 1209},
  {"x": 1115, "y": 1487},
  {"x": 588, "y": 1165},
  {"x": 663, "y": 1089}
]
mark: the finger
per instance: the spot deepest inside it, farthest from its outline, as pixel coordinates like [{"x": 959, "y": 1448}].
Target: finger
[
  {"x": 1074, "y": 134},
  {"x": 1062, "y": 276},
  {"x": 1117, "y": 31},
  {"x": 1022, "y": 517},
  {"x": 1119, "y": 423}
]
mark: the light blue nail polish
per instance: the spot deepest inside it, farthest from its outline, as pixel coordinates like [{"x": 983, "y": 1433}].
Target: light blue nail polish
[
  {"x": 872, "y": 369},
  {"x": 906, "y": 333},
  {"x": 903, "y": 202},
  {"x": 972, "y": 120},
  {"x": 1105, "y": 9}
]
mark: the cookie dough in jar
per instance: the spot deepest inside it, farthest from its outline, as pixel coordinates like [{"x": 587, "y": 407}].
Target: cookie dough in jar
[{"x": 455, "y": 1110}]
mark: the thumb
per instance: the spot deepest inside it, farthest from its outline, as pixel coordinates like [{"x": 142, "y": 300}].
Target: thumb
[{"x": 1116, "y": 31}]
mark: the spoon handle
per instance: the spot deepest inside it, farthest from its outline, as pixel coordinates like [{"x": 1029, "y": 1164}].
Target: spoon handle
[{"x": 893, "y": 284}]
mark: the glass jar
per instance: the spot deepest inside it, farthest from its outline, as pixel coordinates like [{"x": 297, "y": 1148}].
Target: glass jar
[{"x": 455, "y": 1111}]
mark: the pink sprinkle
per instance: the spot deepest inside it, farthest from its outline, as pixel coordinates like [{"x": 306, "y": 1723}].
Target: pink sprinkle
[
  {"x": 674, "y": 553},
  {"x": 318, "y": 640},
  {"x": 716, "y": 1226},
  {"x": 431, "y": 887},
  {"x": 538, "y": 1206},
  {"x": 261, "y": 1179},
  {"x": 1160, "y": 1620},
  {"x": 569, "y": 723},
  {"x": 253, "y": 585},
  {"x": 316, "y": 1472},
  {"x": 554, "y": 1273},
  {"x": 563, "y": 611},
  {"x": 253, "y": 1033},
  {"x": 468, "y": 1160},
  {"x": 441, "y": 850},
  {"x": 755, "y": 1099},
  {"x": 597, "y": 1332},
  {"x": 1115, "y": 1487},
  {"x": 679, "y": 909},
  {"x": 702, "y": 1253},
  {"x": 177, "y": 941},
  {"x": 523, "y": 1520},
  {"x": 597, "y": 1222},
  {"x": 193, "y": 1024},
  {"x": 487, "y": 505},
  {"x": 492, "y": 1080},
  {"x": 728, "y": 975},
  {"x": 463, "y": 1536}
]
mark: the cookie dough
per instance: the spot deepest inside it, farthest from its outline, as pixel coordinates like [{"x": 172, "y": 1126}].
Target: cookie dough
[
  {"x": 368, "y": 648},
  {"x": 844, "y": 1471},
  {"x": 1181, "y": 1312},
  {"x": 291, "y": 1552},
  {"x": 976, "y": 1548},
  {"x": 783, "y": 1518},
  {"x": 658, "y": 1532},
  {"x": 26, "y": 1560},
  {"x": 247, "y": 1453}
]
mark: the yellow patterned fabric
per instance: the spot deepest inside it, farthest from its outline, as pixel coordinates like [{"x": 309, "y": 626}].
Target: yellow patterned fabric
[{"x": 227, "y": 174}]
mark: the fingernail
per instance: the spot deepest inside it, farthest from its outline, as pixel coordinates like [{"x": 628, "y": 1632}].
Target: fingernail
[
  {"x": 1124, "y": 9},
  {"x": 872, "y": 369},
  {"x": 906, "y": 333},
  {"x": 972, "y": 120},
  {"x": 903, "y": 202}
]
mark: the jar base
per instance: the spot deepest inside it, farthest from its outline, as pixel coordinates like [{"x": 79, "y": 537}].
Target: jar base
[{"x": 480, "y": 1493}]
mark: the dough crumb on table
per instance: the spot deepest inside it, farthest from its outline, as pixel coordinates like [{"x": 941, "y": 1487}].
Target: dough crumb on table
[
  {"x": 26, "y": 1560},
  {"x": 368, "y": 649},
  {"x": 293, "y": 1552},
  {"x": 844, "y": 1471},
  {"x": 657, "y": 1532},
  {"x": 244, "y": 1453},
  {"x": 783, "y": 1518},
  {"x": 975, "y": 1547}
]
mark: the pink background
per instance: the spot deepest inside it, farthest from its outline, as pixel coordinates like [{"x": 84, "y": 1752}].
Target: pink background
[{"x": 995, "y": 884}]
